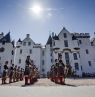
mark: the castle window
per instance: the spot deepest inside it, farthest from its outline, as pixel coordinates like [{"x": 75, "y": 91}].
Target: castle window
[
  {"x": 0, "y": 67},
  {"x": 19, "y": 61},
  {"x": 92, "y": 44},
  {"x": 2, "y": 49},
  {"x": 3, "y": 43},
  {"x": 81, "y": 67},
  {"x": 75, "y": 56},
  {"x": 12, "y": 52},
  {"x": 89, "y": 62},
  {"x": 65, "y": 43},
  {"x": 0, "y": 58},
  {"x": 24, "y": 43},
  {"x": 51, "y": 54},
  {"x": 67, "y": 58},
  {"x": 53, "y": 43},
  {"x": 65, "y": 35},
  {"x": 51, "y": 60},
  {"x": 43, "y": 70},
  {"x": 30, "y": 51},
  {"x": 42, "y": 62},
  {"x": 80, "y": 42},
  {"x": 29, "y": 43},
  {"x": 87, "y": 52},
  {"x": 67, "y": 62},
  {"x": 79, "y": 55},
  {"x": 76, "y": 66},
  {"x": 11, "y": 62},
  {"x": 20, "y": 51},
  {"x": 43, "y": 53}
]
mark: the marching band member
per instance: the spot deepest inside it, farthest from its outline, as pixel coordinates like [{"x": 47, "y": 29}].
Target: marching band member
[
  {"x": 27, "y": 69},
  {"x": 26, "y": 74},
  {"x": 11, "y": 71},
  {"x": 5, "y": 71},
  {"x": 61, "y": 72}
]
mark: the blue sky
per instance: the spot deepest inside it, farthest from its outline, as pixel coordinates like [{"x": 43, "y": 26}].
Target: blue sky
[{"x": 75, "y": 15}]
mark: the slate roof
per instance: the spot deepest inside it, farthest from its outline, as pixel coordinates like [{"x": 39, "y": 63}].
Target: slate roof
[
  {"x": 49, "y": 40},
  {"x": 56, "y": 37},
  {"x": 6, "y": 38}
]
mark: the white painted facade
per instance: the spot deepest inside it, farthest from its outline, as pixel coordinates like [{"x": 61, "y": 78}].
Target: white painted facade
[
  {"x": 76, "y": 48},
  {"x": 28, "y": 48},
  {"x": 85, "y": 52}
]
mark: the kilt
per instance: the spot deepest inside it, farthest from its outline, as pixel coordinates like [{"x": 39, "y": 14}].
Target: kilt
[
  {"x": 11, "y": 74},
  {"x": 4, "y": 73}
]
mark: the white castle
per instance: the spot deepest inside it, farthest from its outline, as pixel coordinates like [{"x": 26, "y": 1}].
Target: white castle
[{"x": 77, "y": 50}]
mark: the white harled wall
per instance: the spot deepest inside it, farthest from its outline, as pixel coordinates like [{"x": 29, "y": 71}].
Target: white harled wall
[{"x": 44, "y": 57}]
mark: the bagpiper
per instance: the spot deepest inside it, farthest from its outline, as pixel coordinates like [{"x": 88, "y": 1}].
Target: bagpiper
[
  {"x": 5, "y": 71},
  {"x": 31, "y": 74},
  {"x": 15, "y": 74},
  {"x": 21, "y": 74},
  {"x": 18, "y": 73},
  {"x": 26, "y": 73},
  {"x": 27, "y": 69},
  {"x": 52, "y": 74},
  {"x": 61, "y": 75},
  {"x": 11, "y": 72},
  {"x": 56, "y": 71}
]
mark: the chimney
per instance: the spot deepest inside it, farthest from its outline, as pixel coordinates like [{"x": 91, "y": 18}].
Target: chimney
[
  {"x": 2, "y": 33},
  {"x": 27, "y": 35},
  {"x": 64, "y": 28},
  {"x": 52, "y": 34}
]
